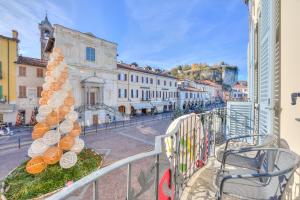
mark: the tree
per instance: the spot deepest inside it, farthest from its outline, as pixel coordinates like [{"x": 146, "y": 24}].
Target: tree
[
  {"x": 179, "y": 67},
  {"x": 33, "y": 118},
  {"x": 135, "y": 64},
  {"x": 19, "y": 119},
  {"x": 174, "y": 72},
  {"x": 186, "y": 67}
]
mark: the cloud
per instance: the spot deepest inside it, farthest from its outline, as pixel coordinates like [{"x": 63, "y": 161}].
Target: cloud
[{"x": 24, "y": 17}]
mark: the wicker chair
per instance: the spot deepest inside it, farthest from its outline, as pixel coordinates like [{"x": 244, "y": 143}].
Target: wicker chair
[{"x": 267, "y": 182}]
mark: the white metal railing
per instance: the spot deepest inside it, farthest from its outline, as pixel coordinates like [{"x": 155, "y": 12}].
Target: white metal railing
[{"x": 192, "y": 141}]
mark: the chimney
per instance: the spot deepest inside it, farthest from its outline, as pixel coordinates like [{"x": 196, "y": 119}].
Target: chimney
[{"x": 15, "y": 34}]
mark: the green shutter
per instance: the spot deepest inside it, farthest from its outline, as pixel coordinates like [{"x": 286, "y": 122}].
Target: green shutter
[
  {"x": 1, "y": 95},
  {"x": 1, "y": 72}
]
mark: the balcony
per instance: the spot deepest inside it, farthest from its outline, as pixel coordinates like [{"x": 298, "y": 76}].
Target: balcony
[
  {"x": 146, "y": 99},
  {"x": 194, "y": 160}
]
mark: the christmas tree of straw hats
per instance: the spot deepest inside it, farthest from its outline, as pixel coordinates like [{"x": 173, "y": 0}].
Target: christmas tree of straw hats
[{"x": 56, "y": 135}]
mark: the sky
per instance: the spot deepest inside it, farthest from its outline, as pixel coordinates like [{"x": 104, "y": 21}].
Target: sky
[{"x": 159, "y": 33}]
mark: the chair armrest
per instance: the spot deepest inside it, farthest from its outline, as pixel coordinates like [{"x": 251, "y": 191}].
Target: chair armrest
[
  {"x": 240, "y": 137},
  {"x": 250, "y": 176}
]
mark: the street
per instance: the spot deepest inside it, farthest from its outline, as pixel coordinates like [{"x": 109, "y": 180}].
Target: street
[
  {"x": 114, "y": 144},
  {"x": 22, "y": 135}
]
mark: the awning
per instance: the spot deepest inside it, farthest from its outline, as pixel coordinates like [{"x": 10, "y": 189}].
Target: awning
[
  {"x": 160, "y": 103},
  {"x": 144, "y": 105}
]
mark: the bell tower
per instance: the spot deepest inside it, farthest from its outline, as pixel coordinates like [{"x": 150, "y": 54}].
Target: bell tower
[{"x": 46, "y": 32}]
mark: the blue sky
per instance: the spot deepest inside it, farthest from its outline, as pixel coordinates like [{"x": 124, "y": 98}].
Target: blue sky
[{"x": 159, "y": 33}]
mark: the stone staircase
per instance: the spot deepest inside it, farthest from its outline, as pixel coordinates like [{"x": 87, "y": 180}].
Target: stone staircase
[{"x": 108, "y": 109}]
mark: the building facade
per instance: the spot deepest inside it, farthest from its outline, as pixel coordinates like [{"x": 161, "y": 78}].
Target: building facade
[
  {"x": 144, "y": 90},
  {"x": 30, "y": 78},
  {"x": 192, "y": 94},
  {"x": 93, "y": 72},
  {"x": 8, "y": 57},
  {"x": 239, "y": 91}
]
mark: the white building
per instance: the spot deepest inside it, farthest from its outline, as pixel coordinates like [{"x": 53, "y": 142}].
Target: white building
[
  {"x": 144, "y": 90},
  {"x": 239, "y": 91},
  {"x": 191, "y": 94},
  {"x": 93, "y": 72},
  {"x": 29, "y": 81}
]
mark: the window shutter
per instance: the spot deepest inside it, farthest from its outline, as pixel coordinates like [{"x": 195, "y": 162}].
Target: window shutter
[
  {"x": 265, "y": 70},
  {"x": 276, "y": 95},
  {"x": 1, "y": 92},
  {"x": 1, "y": 72},
  {"x": 239, "y": 118}
]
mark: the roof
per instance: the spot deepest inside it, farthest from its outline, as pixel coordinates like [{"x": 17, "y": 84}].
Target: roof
[
  {"x": 89, "y": 34},
  {"x": 210, "y": 83},
  {"x": 190, "y": 89},
  {"x": 31, "y": 61},
  {"x": 239, "y": 86},
  {"x": 46, "y": 21},
  {"x": 139, "y": 69},
  {"x": 9, "y": 38}
]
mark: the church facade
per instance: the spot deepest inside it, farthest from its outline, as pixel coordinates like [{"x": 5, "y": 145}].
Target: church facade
[{"x": 93, "y": 72}]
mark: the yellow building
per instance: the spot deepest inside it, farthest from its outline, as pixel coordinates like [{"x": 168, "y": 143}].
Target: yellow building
[{"x": 8, "y": 57}]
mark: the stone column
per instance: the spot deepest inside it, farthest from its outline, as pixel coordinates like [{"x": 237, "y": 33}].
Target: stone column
[
  {"x": 101, "y": 94},
  {"x": 88, "y": 96}
]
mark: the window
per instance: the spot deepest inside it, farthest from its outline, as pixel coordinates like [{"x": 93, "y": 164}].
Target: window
[
  {"x": 191, "y": 95},
  {"x": 137, "y": 79},
  {"x": 142, "y": 79},
  {"x": 132, "y": 95},
  {"x": 159, "y": 94},
  {"x": 175, "y": 84},
  {"x": 165, "y": 82},
  {"x": 22, "y": 91},
  {"x": 147, "y": 80},
  {"x": 90, "y": 54},
  {"x": 156, "y": 94},
  {"x": 142, "y": 94},
  {"x": 22, "y": 71},
  {"x": 170, "y": 84},
  {"x": 151, "y": 80},
  {"x": 39, "y": 72},
  {"x": 125, "y": 93},
  {"x": 39, "y": 91},
  {"x": 131, "y": 77},
  {"x": 120, "y": 91},
  {"x": 186, "y": 95},
  {"x": 153, "y": 94},
  {"x": 158, "y": 82},
  {"x": 137, "y": 94},
  {"x": 122, "y": 77}
]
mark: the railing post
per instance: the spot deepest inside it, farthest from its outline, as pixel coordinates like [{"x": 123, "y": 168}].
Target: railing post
[
  {"x": 156, "y": 176},
  {"x": 128, "y": 182},
  {"x": 96, "y": 190}
]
